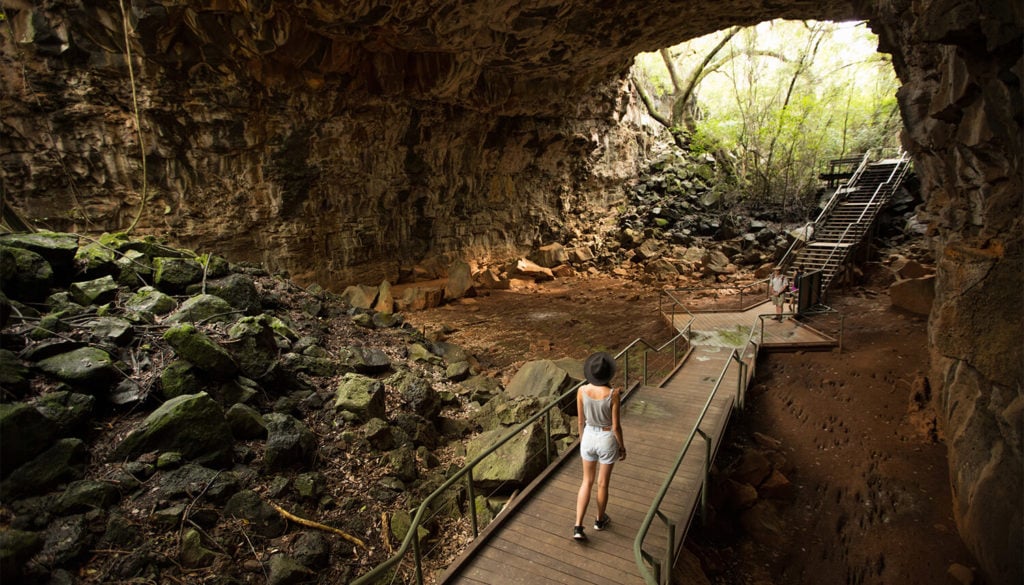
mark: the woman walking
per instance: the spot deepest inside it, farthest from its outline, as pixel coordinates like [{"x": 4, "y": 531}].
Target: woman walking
[{"x": 601, "y": 444}]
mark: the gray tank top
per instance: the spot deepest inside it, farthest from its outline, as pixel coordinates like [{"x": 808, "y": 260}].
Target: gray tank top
[{"x": 597, "y": 413}]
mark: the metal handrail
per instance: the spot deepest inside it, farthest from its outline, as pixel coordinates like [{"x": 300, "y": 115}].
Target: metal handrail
[
  {"x": 742, "y": 288},
  {"x": 411, "y": 538},
  {"x": 660, "y": 578},
  {"x": 638, "y": 552}
]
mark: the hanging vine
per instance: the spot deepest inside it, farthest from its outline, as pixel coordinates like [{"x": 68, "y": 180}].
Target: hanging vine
[{"x": 138, "y": 118}]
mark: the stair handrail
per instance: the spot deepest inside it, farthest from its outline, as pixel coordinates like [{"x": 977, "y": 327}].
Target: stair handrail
[
  {"x": 899, "y": 170},
  {"x": 898, "y": 166},
  {"x": 466, "y": 471},
  {"x": 827, "y": 210}
]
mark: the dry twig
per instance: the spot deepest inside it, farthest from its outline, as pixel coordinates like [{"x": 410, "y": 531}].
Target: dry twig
[{"x": 311, "y": 524}]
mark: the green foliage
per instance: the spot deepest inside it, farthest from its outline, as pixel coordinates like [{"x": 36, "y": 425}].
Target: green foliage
[{"x": 784, "y": 97}]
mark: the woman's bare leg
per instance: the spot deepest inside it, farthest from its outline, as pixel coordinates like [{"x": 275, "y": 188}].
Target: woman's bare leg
[
  {"x": 604, "y": 477},
  {"x": 583, "y": 497}
]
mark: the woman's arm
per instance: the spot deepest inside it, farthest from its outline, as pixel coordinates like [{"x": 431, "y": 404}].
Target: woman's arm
[
  {"x": 617, "y": 424},
  {"x": 581, "y": 418}
]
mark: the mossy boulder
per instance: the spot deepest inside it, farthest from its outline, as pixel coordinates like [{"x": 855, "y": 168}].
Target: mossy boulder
[
  {"x": 203, "y": 308},
  {"x": 134, "y": 269},
  {"x": 24, "y": 274},
  {"x": 193, "y": 425},
  {"x": 94, "y": 292},
  {"x": 173, "y": 275},
  {"x": 150, "y": 300},
  {"x": 195, "y": 347},
  {"x": 114, "y": 329},
  {"x": 62, "y": 462},
  {"x": 87, "y": 367},
  {"x": 58, "y": 249},
  {"x": 246, "y": 422},
  {"x": 511, "y": 466},
  {"x": 97, "y": 258},
  {"x": 290, "y": 444},
  {"x": 70, "y": 411},
  {"x": 24, "y": 433},
  {"x": 253, "y": 345},
  {"x": 13, "y": 374},
  {"x": 178, "y": 378},
  {"x": 17, "y": 547},
  {"x": 361, "y": 396},
  {"x": 401, "y": 523},
  {"x": 239, "y": 290}
]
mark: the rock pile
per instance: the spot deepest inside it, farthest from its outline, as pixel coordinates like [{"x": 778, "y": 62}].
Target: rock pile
[{"x": 168, "y": 416}]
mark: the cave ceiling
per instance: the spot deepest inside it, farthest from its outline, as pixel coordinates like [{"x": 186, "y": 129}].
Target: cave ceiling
[{"x": 528, "y": 57}]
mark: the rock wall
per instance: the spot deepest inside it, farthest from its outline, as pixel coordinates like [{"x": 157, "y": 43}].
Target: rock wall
[
  {"x": 346, "y": 141},
  {"x": 961, "y": 65}
]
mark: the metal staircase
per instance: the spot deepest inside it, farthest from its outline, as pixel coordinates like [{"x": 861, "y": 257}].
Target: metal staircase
[{"x": 847, "y": 219}]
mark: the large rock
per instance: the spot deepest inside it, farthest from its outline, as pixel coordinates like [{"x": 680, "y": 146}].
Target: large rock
[
  {"x": 203, "y": 308},
  {"x": 543, "y": 379},
  {"x": 459, "y": 281},
  {"x": 94, "y": 292},
  {"x": 13, "y": 374},
  {"x": 198, "y": 349},
  {"x": 150, "y": 300},
  {"x": 913, "y": 294},
  {"x": 513, "y": 464},
  {"x": 193, "y": 425},
  {"x": 290, "y": 444},
  {"x": 24, "y": 275},
  {"x": 173, "y": 275},
  {"x": 239, "y": 290},
  {"x": 361, "y": 396},
  {"x": 88, "y": 367},
  {"x": 550, "y": 255},
  {"x": 62, "y": 462},
  {"x": 58, "y": 249},
  {"x": 24, "y": 433}
]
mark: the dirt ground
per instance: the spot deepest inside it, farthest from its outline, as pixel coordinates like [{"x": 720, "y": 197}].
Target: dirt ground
[{"x": 871, "y": 502}]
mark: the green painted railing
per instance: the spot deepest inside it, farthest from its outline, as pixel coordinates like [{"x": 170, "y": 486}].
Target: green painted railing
[
  {"x": 657, "y": 571},
  {"x": 381, "y": 573}
]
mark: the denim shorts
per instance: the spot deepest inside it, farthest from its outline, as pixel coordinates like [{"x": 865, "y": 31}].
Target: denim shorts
[{"x": 598, "y": 445}]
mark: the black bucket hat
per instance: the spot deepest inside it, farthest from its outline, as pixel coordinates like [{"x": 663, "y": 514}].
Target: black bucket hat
[{"x": 599, "y": 368}]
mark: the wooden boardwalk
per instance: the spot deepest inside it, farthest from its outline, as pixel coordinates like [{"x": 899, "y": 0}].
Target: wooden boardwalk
[{"x": 531, "y": 541}]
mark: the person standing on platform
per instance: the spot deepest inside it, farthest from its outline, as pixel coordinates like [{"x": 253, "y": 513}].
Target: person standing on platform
[
  {"x": 777, "y": 287},
  {"x": 601, "y": 442}
]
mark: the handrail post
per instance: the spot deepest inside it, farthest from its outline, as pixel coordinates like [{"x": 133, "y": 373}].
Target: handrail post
[
  {"x": 625, "y": 370},
  {"x": 742, "y": 383},
  {"x": 472, "y": 503},
  {"x": 644, "y": 377},
  {"x": 416, "y": 554},
  {"x": 665, "y": 577},
  {"x": 707, "y": 478},
  {"x": 547, "y": 437}
]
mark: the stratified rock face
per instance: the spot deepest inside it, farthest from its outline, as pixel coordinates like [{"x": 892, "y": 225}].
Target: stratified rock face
[
  {"x": 344, "y": 141},
  {"x": 961, "y": 64},
  {"x": 337, "y": 140}
]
